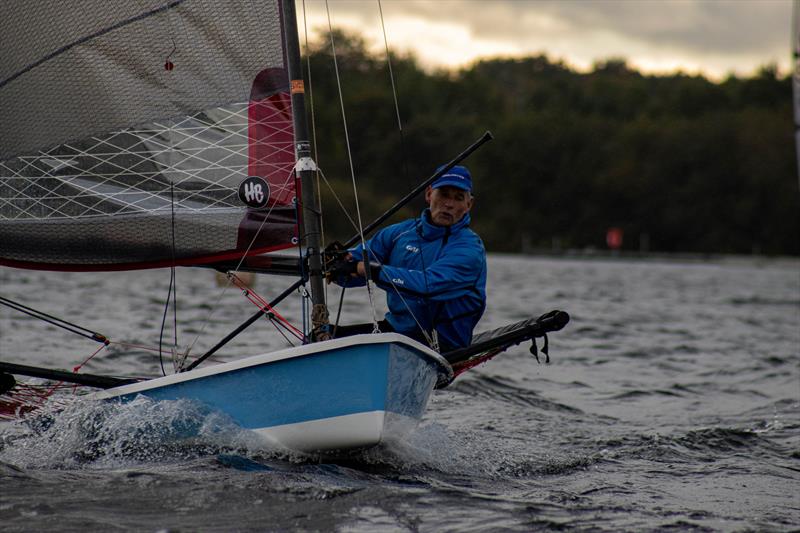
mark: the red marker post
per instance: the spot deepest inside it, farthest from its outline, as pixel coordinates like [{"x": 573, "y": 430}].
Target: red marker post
[{"x": 614, "y": 238}]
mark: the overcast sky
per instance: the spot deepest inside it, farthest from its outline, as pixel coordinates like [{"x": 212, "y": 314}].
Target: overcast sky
[{"x": 714, "y": 37}]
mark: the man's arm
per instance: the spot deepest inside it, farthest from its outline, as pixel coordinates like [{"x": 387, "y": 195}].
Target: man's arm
[{"x": 459, "y": 268}]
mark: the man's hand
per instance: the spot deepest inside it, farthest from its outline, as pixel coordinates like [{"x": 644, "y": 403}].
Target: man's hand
[{"x": 340, "y": 270}]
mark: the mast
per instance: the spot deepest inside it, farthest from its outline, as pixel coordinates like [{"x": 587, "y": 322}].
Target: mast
[{"x": 310, "y": 224}]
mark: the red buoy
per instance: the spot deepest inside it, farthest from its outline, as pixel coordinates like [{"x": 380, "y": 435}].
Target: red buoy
[{"x": 614, "y": 238}]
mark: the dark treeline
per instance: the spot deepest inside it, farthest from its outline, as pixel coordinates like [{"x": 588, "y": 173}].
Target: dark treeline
[{"x": 680, "y": 163}]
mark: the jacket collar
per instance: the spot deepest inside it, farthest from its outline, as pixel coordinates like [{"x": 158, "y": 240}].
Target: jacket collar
[{"x": 431, "y": 232}]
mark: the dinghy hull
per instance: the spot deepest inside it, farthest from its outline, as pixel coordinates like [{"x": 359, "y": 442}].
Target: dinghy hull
[{"x": 343, "y": 394}]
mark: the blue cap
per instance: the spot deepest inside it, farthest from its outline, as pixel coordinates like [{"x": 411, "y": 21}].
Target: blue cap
[{"x": 457, "y": 176}]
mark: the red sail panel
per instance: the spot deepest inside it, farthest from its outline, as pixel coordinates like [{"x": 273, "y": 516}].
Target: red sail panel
[
  {"x": 271, "y": 135},
  {"x": 270, "y": 144}
]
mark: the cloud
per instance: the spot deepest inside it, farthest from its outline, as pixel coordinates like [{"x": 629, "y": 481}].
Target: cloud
[{"x": 712, "y": 36}]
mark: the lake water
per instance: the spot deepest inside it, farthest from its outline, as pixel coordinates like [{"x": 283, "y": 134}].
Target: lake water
[{"x": 672, "y": 402}]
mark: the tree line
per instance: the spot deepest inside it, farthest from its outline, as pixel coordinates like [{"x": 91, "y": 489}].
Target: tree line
[{"x": 677, "y": 162}]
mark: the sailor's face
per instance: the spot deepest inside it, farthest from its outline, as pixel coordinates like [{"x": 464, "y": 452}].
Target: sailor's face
[{"x": 448, "y": 204}]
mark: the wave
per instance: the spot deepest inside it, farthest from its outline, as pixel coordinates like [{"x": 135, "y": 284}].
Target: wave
[
  {"x": 503, "y": 390},
  {"x": 97, "y": 434},
  {"x": 696, "y": 446},
  {"x": 761, "y": 300}
]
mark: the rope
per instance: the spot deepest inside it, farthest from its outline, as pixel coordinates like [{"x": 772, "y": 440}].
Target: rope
[
  {"x": 338, "y": 200},
  {"x": 163, "y": 323},
  {"x": 77, "y": 368},
  {"x": 55, "y": 321},
  {"x": 172, "y": 290},
  {"x": 262, "y": 304},
  {"x": 352, "y": 173},
  {"x": 394, "y": 95},
  {"x": 276, "y": 324},
  {"x": 433, "y": 342},
  {"x": 214, "y": 307},
  {"x": 275, "y": 318},
  {"x": 338, "y": 312}
]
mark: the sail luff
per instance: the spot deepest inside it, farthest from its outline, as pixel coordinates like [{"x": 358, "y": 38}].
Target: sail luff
[{"x": 311, "y": 236}]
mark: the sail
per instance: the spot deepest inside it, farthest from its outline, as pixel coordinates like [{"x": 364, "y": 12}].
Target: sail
[{"x": 144, "y": 134}]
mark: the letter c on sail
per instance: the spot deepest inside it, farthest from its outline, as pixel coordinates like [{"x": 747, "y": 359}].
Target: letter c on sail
[{"x": 254, "y": 192}]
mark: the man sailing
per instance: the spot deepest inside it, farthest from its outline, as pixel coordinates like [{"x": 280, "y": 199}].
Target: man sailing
[{"x": 433, "y": 269}]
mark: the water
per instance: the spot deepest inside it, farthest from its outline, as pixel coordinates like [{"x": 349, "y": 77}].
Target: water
[{"x": 672, "y": 402}]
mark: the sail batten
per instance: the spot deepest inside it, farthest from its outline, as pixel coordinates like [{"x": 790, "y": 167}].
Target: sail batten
[{"x": 134, "y": 153}]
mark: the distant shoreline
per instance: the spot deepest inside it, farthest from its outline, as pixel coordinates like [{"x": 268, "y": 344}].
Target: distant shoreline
[{"x": 672, "y": 257}]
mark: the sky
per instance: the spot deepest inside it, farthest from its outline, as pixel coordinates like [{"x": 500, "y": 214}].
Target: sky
[{"x": 709, "y": 37}]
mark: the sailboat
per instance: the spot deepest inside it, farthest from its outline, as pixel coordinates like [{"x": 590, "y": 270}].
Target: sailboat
[{"x": 174, "y": 134}]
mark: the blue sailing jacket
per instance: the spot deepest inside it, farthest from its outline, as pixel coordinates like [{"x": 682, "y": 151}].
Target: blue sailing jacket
[{"x": 434, "y": 277}]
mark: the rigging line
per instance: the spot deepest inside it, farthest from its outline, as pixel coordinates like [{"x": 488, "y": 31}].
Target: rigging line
[
  {"x": 142, "y": 347},
  {"x": 257, "y": 300},
  {"x": 428, "y": 338},
  {"x": 391, "y": 72},
  {"x": 314, "y": 132},
  {"x": 55, "y": 321},
  {"x": 228, "y": 284},
  {"x": 404, "y": 159},
  {"x": 394, "y": 95},
  {"x": 163, "y": 323},
  {"x": 279, "y": 321},
  {"x": 77, "y": 368},
  {"x": 294, "y": 286},
  {"x": 282, "y": 333},
  {"x": 339, "y": 201},
  {"x": 434, "y": 339},
  {"x": 352, "y": 170},
  {"x": 174, "y": 282},
  {"x": 173, "y": 289},
  {"x": 338, "y": 313},
  {"x": 304, "y": 296}
]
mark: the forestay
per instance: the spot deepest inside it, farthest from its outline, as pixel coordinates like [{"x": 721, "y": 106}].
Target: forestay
[{"x": 128, "y": 131}]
